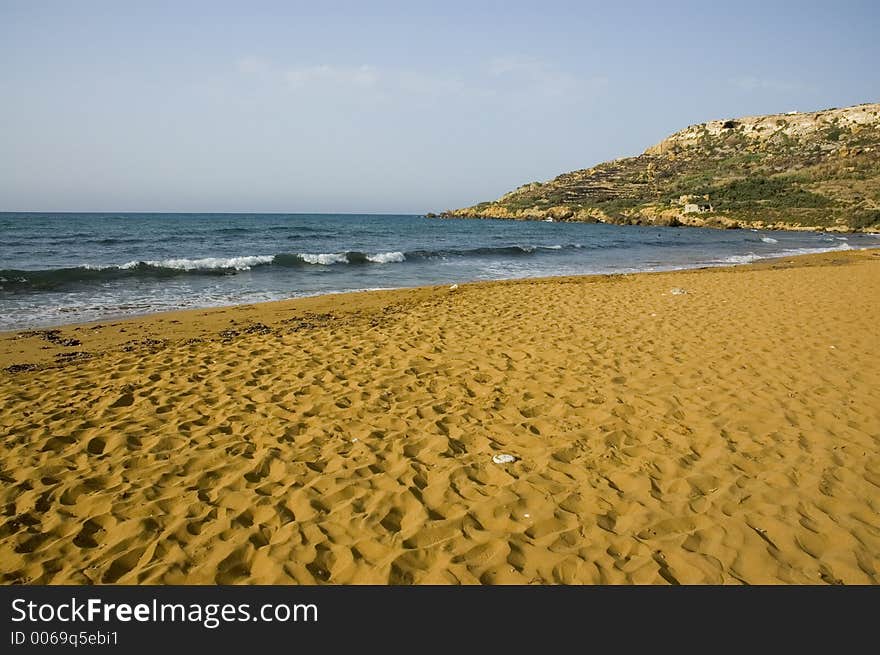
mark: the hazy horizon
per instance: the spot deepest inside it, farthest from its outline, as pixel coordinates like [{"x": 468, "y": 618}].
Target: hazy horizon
[{"x": 394, "y": 108}]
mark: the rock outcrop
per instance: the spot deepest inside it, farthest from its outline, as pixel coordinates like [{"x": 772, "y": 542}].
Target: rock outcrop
[{"x": 818, "y": 170}]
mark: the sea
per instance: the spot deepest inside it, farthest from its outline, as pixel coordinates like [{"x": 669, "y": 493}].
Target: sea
[{"x": 58, "y": 268}]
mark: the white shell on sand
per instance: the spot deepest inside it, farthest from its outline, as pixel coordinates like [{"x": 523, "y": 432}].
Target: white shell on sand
[
  {"x": 677, "y": 291},
  {"x": 503, "y": 458},
  {"x": 453, "y": 287}
]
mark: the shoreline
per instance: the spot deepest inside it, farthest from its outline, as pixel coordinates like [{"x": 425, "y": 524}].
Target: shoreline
[
  {"x": 36, "y": 351},
  {"x": 699, "y": 221},
  {"x": 116, "y": 318},
  {"x": 713, "y": 425}
]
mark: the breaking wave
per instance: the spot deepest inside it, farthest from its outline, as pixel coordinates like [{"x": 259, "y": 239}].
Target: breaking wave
[
  {"x": 48, "y": 279},
  {"x": 17, "y": 281},
  {"x": 788, "y": 252}
]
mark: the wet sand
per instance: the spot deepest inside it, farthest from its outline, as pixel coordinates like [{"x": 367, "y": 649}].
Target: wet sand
[{"x": 727, "y": 433}]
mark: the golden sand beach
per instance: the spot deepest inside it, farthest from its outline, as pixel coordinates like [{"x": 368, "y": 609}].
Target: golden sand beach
[{"x": 725, "y": 433}]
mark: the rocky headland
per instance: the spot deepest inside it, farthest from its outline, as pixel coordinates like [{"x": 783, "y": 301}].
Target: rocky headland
[{"x": 795, "y": 171}]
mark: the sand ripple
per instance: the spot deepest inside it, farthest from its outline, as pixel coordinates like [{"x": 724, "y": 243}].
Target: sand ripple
[{"x": 730, "y": 434}]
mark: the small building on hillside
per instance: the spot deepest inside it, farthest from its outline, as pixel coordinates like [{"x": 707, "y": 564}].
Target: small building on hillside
[
  {"x": 694, "y": 204},
  {"x": 697, "y": 208}
]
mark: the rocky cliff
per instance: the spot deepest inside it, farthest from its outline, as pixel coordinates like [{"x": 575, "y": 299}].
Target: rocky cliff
[{"x": 817, "y": 170}]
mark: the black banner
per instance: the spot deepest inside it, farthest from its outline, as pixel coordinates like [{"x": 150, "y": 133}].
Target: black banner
[{"x": 393, "y": 619}]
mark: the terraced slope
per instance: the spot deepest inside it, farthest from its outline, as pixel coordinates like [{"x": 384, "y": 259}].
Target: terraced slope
[{"x": 818, "y": 170}]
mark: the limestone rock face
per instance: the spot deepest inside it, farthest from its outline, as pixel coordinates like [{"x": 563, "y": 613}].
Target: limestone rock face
[{"x": 817, "y": 170}]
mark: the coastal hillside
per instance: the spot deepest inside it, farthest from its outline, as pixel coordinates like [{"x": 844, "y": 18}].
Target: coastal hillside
[{"x": 818, "y": 170}]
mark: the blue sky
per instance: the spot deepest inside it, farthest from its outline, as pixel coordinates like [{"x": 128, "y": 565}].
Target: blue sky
[{"x": 386, "y": 107}]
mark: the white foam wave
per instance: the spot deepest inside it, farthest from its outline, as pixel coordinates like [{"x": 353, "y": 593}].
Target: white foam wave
[
  {"x": 741, "y": 259},
  {"x": 812, "y": 251},
  {"x": 184, "y": 264},
  {"x": 207, "y": 263},
  {"x": 324, "y": 258},
  {"x": 769, "y": 240},
  {"x": 789, "y": 252},
  {"x": 387, "y": 257}
]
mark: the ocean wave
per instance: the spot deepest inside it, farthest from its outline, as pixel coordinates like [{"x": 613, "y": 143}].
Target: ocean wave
[
  {"x": 13, "y": 280},
  {"x": 395, "y": 257},
  {"x": 788, "y": 252},
  {"x": 741, "y": 259},
  {"x": 233, "y": 230},
  {"x": 769, "y": 240},
  {"x": 298, "y": 228},
  {"x": 490, "y": 251},
  {"x": 203, "y": 264},
  {"x": 52, "y": 279},
  {"x": 24, "y": 281},
  {"x": 113, "y": 241},
  {"x": 324, "y": 258},
  {"x": 398, "y": 257}
]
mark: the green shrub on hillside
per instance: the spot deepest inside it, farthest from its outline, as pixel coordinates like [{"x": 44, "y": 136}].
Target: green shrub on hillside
[{"x": 762, "y": 191}]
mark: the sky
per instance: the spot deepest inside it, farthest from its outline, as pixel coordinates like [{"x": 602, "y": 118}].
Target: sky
[{"x": 397, "y": 107}]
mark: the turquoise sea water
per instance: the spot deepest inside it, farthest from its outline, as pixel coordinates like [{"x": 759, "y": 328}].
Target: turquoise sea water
[{"x": 62, "y": 268}]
